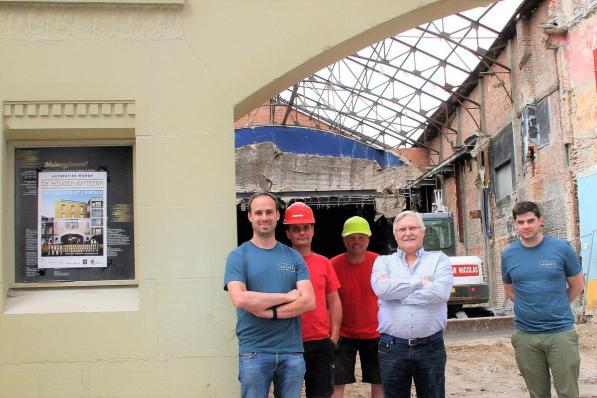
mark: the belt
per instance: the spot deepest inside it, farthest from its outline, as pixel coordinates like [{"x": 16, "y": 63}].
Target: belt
[{"x": 412, "y": 342}]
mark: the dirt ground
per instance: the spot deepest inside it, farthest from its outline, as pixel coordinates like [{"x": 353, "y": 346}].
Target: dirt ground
[{"x": 485, "y": 368}]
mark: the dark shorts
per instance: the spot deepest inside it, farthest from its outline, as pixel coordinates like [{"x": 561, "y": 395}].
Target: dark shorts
[
  {"x": 346, "y": 359},
  {"x": 319, "y": 361}
]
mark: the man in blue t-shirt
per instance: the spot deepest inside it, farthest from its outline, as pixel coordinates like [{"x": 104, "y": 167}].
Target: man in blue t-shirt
[
  {"x": 542, "y": 276},
  {"x": 269, "y": 285}
]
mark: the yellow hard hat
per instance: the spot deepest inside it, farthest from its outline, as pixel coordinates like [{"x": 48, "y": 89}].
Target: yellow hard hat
[{"x": 356, "y": 225}]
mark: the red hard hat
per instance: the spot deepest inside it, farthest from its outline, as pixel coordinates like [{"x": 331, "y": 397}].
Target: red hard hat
[{"x": 299, "y": 213}]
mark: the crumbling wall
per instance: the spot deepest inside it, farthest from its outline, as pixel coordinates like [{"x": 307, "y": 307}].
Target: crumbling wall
[
  {"x": 263, "y": 167},
  {"x": 580, "y": 59}
]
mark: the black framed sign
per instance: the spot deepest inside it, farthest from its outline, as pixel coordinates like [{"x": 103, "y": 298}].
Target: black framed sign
[{"x": 74, "y": 214}]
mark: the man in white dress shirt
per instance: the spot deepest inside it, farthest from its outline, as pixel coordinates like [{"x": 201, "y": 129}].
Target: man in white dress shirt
[{"x": 413, "y": 287}]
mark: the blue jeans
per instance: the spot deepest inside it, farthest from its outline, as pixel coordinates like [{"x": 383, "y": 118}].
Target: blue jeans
[
  {"x": 257, "y": 370},
  {"x": 401, "y": 363}
]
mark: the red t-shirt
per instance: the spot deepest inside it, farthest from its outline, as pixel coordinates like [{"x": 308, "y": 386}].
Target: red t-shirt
[
  {"x": 359, "y": 303},
  {"x": 315, "y": 324}
]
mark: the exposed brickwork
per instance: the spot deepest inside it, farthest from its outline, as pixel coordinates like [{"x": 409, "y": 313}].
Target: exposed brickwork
[
  {"x": 274, "y": 114},
  {"x": 498, "y": 90},
  {"x": 543, "y": 67},
  {"x": 472, "y": 198},
  {"x": 419, "y": 157},
  {"x": 470, "y": 118},
  {"x": 582, "y": 38}
]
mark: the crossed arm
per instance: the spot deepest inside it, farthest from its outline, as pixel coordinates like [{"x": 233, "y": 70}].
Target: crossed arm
[
  {"x": 413, "y": 290},
  {"x": 391, "y": 289},
  {"x": 289, "y": 305},
  {"x": 437, "y": 290},
  {"x": 255, "y": 301}
]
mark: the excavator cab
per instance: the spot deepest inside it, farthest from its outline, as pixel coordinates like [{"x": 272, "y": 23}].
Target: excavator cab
[{"x": 439, "y": 233}]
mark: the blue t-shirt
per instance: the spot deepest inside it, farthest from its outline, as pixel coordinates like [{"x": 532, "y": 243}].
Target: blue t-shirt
[
  {"x": 275, "y": 270},
  {"x": 538, "y": 275}
]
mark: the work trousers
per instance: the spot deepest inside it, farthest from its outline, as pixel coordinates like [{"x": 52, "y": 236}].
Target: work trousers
[{"x": 537, "y": 353}]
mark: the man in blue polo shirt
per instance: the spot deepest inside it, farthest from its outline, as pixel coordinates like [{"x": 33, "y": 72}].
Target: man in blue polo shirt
[
  {"x": 542, "y": 276},
  {"x": 269, "y": 285}
]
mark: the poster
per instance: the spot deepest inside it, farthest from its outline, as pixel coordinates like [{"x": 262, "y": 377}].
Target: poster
[
  {"x": 74, "y": 214},
  {"x": 71, "y": 208}
]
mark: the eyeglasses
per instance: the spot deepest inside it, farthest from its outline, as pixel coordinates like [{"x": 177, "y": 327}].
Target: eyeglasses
[{"x": 409, "y": 229}]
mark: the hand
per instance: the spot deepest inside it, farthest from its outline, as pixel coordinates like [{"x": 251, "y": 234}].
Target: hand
[
  {"x": 425, "y": 282},
  {"x": 293, "y": 295},
  {"x": 334, "y": 338}
]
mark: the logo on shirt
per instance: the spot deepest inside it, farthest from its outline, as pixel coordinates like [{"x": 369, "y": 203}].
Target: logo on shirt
[
  {"x": 548, "y": 264},
  {"x": 287, "y": 267}
]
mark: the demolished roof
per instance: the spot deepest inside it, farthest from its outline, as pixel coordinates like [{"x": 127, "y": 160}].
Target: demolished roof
[{"x": 400, "y": 92}]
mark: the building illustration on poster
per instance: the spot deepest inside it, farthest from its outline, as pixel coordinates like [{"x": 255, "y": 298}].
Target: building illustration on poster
[{"x": 72, "y": 219}]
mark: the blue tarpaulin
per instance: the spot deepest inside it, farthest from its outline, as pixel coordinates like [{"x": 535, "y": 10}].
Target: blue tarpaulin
[{"x": 314, "y": 142}]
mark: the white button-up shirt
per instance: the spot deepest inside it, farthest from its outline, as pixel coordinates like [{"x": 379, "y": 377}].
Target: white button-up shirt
[{"x": 407, "y": 309}]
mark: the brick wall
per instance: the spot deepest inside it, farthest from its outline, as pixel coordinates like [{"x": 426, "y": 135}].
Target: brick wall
[
  {"x": 539, "y": 71},
  {"x": 418, "y": 157},
  {"x": 274, "y": 114},
  {"x": 498, "y": 91}
]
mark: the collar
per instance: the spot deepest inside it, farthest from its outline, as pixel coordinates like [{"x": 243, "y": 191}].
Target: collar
[{"x": 402, "y": 254}]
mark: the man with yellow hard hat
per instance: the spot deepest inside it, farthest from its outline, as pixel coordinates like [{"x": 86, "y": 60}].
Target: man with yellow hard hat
[{"x": 358, "y": 331}]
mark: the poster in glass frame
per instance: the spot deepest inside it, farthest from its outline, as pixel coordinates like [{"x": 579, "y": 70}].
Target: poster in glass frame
[{"x": 74, "y": 214}]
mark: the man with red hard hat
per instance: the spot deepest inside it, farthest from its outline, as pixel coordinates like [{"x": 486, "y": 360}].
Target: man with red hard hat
[{"x": 321, "y": 326}]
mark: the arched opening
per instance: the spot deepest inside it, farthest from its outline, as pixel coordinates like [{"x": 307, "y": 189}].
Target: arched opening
[{"x": 421, "y": 86}]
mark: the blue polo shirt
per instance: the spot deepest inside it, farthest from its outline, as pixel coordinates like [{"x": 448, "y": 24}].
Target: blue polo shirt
[
  {"x": 538, "y": 275},
  {"x": 275, "y": 270}
]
